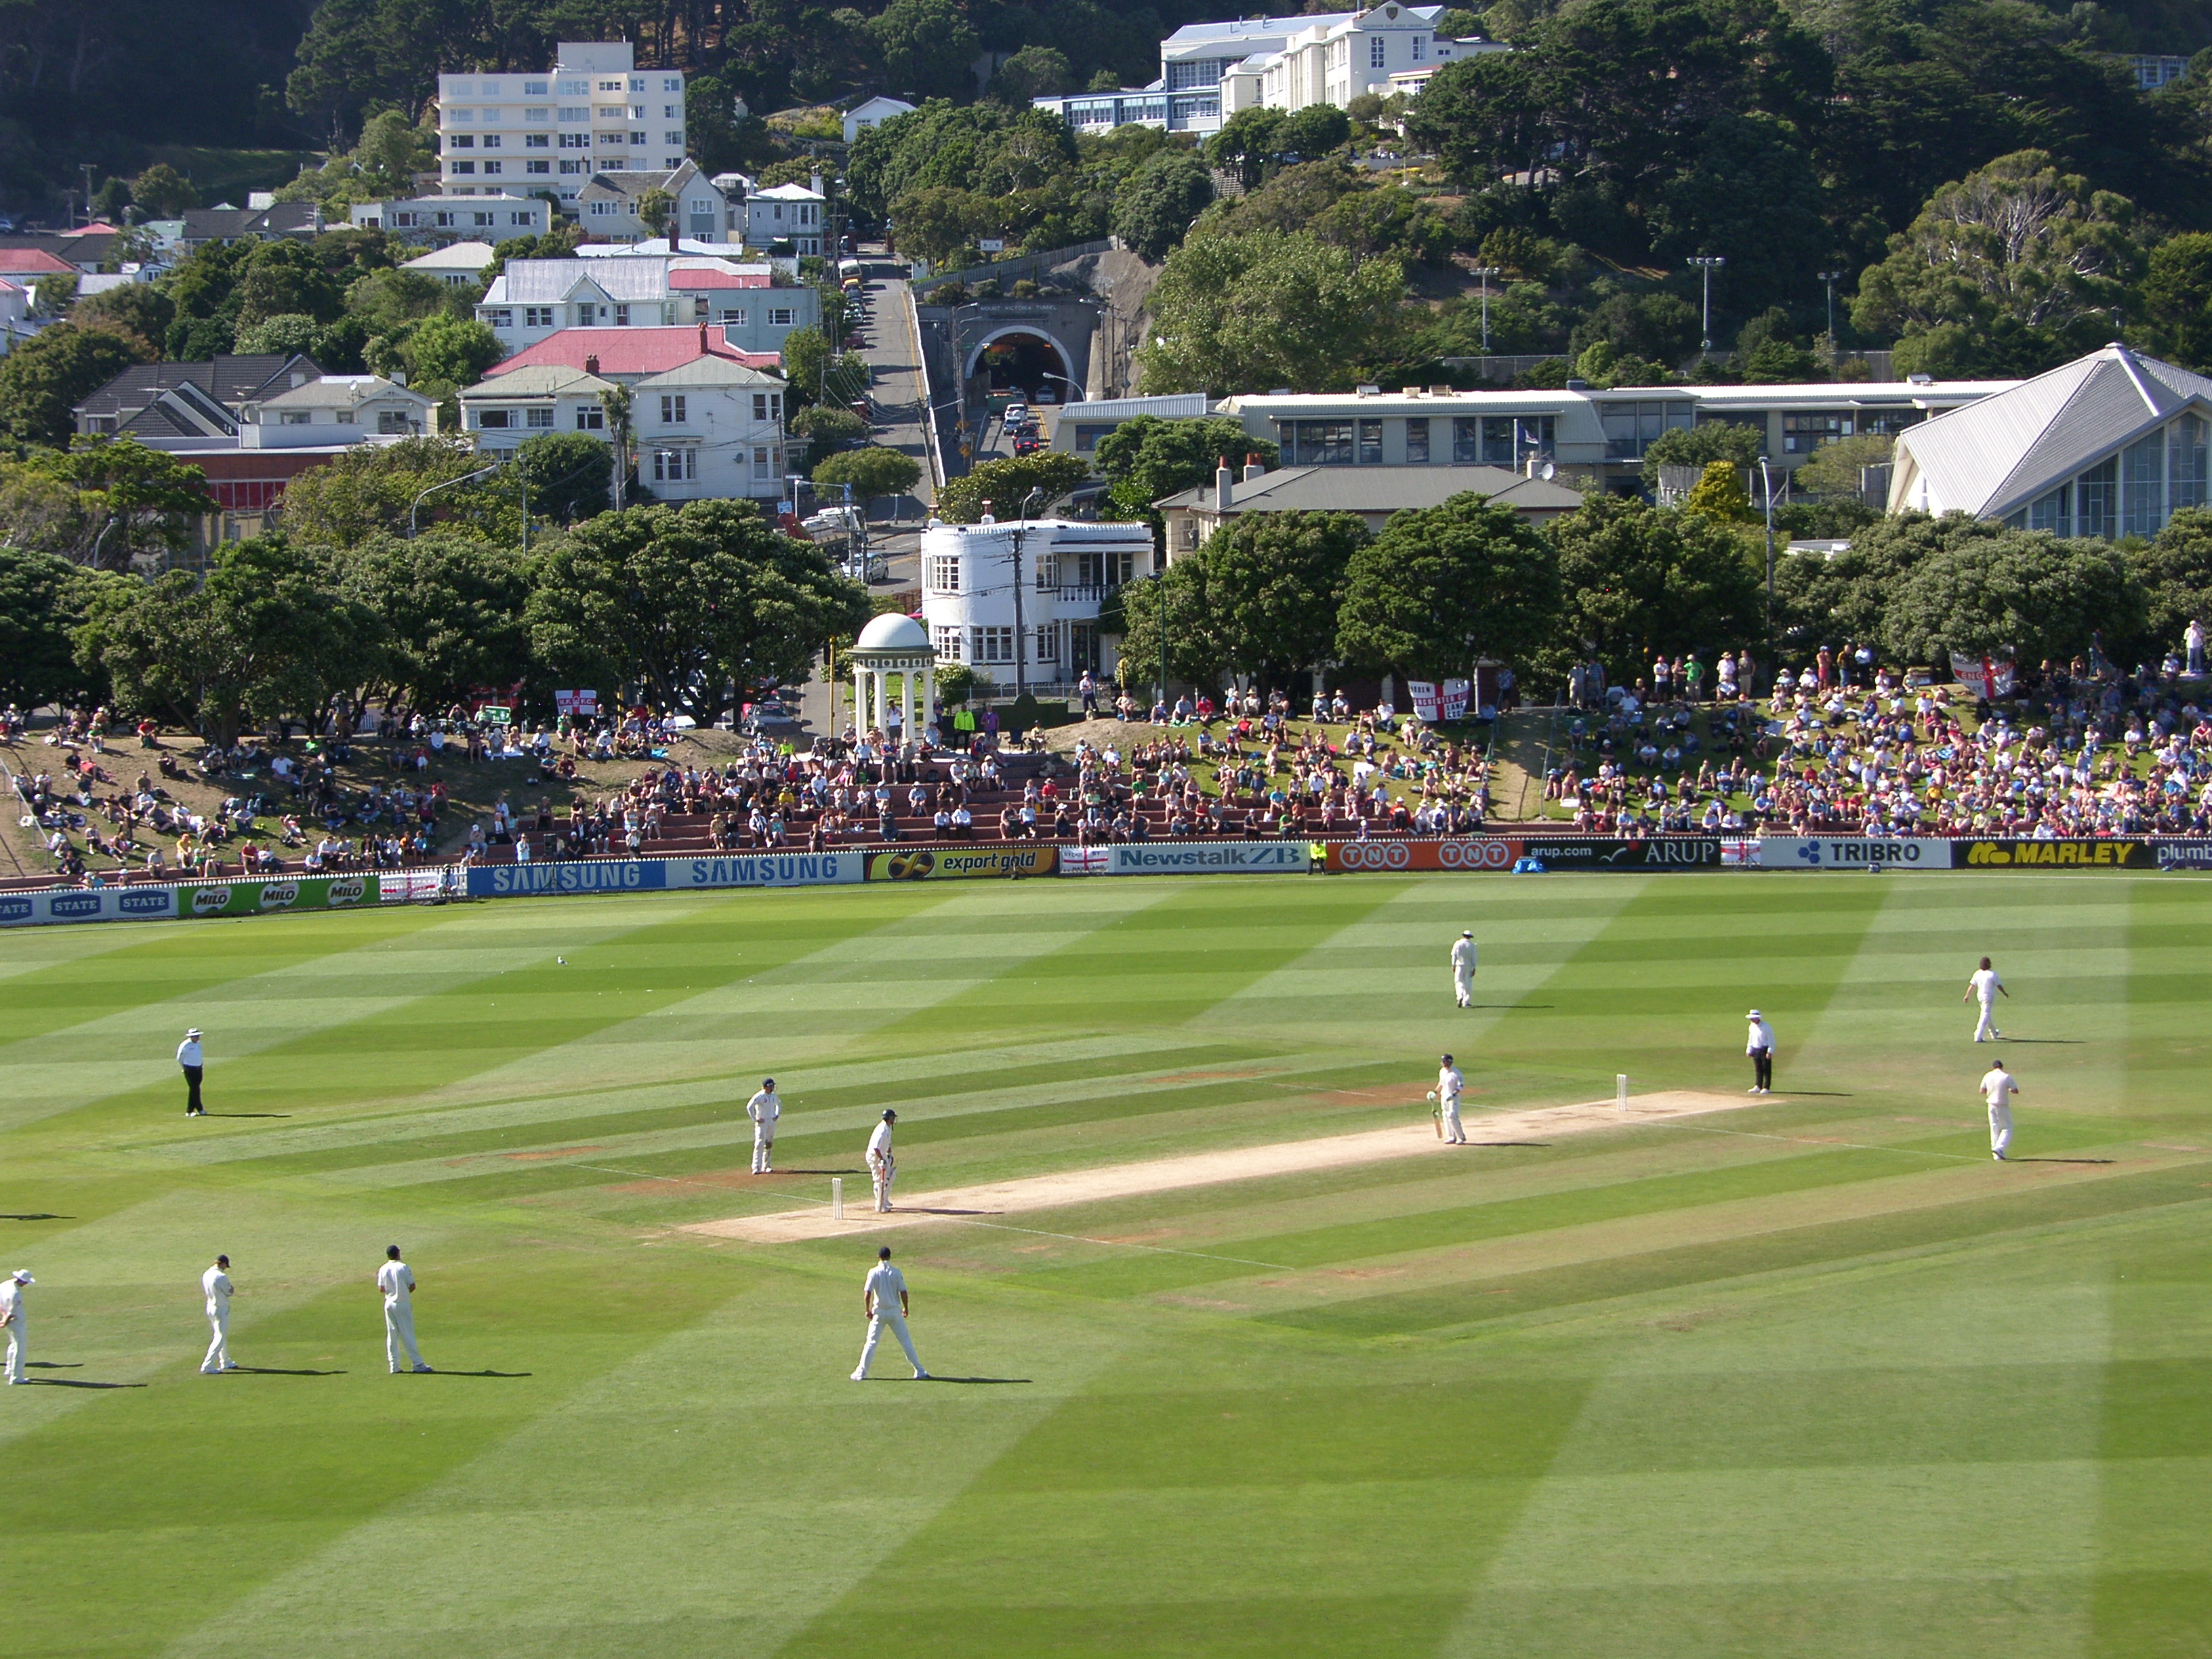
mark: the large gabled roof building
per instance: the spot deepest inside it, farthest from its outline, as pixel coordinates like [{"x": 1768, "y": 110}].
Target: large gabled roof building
[{"x": 2113, "y": 444}]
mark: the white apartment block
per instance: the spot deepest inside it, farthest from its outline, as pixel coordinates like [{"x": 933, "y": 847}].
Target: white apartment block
[
  {"x": 1208, "y": 71},
  {"x": 1067, "y": 568},
  {"x": 594, "y": 112},
  {"x": 439, "y": 221}
]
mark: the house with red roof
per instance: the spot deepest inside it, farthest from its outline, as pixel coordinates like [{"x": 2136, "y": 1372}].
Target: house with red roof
[{"x": 627, "y": 356}]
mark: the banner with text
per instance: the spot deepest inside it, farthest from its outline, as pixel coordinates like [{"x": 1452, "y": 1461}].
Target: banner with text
[
  {"x": 1596, "y": 852},
  {"x": 1488, "y": 853},
  {"x": 766, "y": 870},
  {"x": 964, "y": 863},
  {"x": 1845, "y": 852},
  {"x": 1209, "y": 858},
  {"x": 582, "y": 876},
  {"x": 1432, "y": 704},
  {"x": 2054, "y": 855}
]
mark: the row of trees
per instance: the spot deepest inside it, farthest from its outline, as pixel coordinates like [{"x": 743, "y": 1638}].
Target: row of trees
[
  {"x": 689, "y": 608},
  {"x": 1622, "y": 580}
]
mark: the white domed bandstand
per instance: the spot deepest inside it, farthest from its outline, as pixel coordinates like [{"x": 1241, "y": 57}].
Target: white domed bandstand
[{"x": 892, "y": 644}]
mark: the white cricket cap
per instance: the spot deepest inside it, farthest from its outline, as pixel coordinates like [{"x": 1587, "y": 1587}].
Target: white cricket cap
[
  {"x": 1753, "y": 1014},
  {"x": 1468, "y": 934},
  {"x": 194, "y": 1032},
  {"x": 22, "y": 1276}
]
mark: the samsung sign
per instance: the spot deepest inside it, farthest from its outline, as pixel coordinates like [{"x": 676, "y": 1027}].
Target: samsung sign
[
  {"x": 1831, "y": 853},
  {"x": 654, "y": 875},
  {"x": 767, "y": 870},
  {"x": 592, "y": 876}
]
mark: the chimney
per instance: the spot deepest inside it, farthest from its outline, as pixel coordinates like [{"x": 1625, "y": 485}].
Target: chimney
[
  {"x": 592, "y": 365},
  {"x": 987, "y": 518},
  {"x": 704, "y": 347},
  {"x": 1253, "y": 470},
  {"x": 1223, "y": 483},
  {"x": 814, "y": 184}
]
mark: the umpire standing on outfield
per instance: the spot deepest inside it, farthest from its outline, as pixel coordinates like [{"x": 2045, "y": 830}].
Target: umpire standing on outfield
[{"x": 188, "y": 1057}]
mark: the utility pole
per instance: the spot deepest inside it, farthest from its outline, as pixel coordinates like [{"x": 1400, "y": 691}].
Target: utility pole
[
  {"x": 1766, "y": 481},
  {"x": 1828, "y": 281},
  {"x": 1485, "y": 272},
  {"x": 85, "y": 167},
  {"x": 1161, "y": 577},
  {"x": 1706, "y": 264},
  {"x": 1021, "y": 642}
]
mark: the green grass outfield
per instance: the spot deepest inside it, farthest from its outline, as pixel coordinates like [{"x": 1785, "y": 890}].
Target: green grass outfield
[{"x": 1812, "y": 1378}]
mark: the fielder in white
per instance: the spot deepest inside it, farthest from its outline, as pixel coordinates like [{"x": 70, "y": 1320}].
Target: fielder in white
[
  {"x": 884, "y": 1282},
  {"x": 218, "y": 1290},
  {"x": 1984, "y": 985},
  {"x": 14, "y": 1317},
  {"x": 764, "y": 1108},
  {"x": 1462, "y": 964},
  {"x": 1449, "y": 1084},
  {"x": 882, "y": 1167},
  {"x": 397, "y": 1280},
  {"x": 1996, "y": 1086}
]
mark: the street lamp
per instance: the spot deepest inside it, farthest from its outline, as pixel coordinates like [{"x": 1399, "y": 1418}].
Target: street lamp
[
  {"x": 1828, "y": 280},
  {"x": 1486, "y": 272},
  {"x": 469, "y": 477},
  {"x": 1021, "y": 642},
  {"x": 1706, "y": 264},
  {"x": 1767, "y": 483}
]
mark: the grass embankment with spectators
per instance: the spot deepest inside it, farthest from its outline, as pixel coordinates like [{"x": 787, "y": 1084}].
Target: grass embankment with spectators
[{"x": 1814, "y": 1376}]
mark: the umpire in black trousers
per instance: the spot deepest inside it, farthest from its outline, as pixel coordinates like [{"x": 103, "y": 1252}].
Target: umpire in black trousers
[{"x": 188, "y": 1057}]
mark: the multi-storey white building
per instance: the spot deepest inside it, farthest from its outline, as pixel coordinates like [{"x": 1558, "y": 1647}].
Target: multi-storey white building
[
  {"x": 1065, "y": 569},
  {"x": 786, "y": 213},
  {"x": 1208, "y": 71},
  {"x": 594, "y": 112},
  {"x": 535, "y": 299},
  {"x": 436, "y": 221}
]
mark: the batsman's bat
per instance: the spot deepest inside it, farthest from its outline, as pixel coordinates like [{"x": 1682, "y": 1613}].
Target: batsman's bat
[{"x": 1436, "y": 1113}]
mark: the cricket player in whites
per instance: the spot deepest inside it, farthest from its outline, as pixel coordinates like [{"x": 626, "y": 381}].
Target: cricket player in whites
[
  {"x": 1462, "y": 964},
  {"x": 16, "y": 1322},
  {"x": 764, "y": 1108},
  {"x": 1449, "y": 1084},
  {"x": 885, "y": 1282},
  {"x": 1997, "y": 1089},
  {"x": 397, "y": 1280},
  {"x": 881, "y": 1165},
  {"x": 218, "y": 1290},
  {"x": 1984, "y": 985}
]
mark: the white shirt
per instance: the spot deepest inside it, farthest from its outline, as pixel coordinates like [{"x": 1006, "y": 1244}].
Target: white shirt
[
  {"x": 879, "y": 1143},
  {"x": 1996, "y": 1085},
  {"x": 764, "y": 1108},
  {"x": 1448, "y": 1083},
  {"x": 11, "y": 1300},
  {"x": 1986, "y": 983},
  {"x": 1462, "y": 955},
  {"x": 397, "y": 1283},
  {"x": 215, "y": 1285},
  {"x": 188, "y": 1052},
  {"x": 887, "y": 1283},
  {"x": 1761, "y": 1036}
]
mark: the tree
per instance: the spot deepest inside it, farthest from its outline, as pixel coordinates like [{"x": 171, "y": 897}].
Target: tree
[
  {"x": 371, "y": 488},
  {"x": 55, "y": 293},
  {"x": 267, "y": 633},
  {"x": 816, "y": 376},
  {"x": 1719, "y": 494},
  {"x": 1445, "y": 585},
  {"x": 1826, "y": 599},
  {"x": 2174, "y": 571},
  {"x": 451, "y": 351},
  {"x": 454, "y": 605},
  {"x": 139, "y": 311},
  {"x": 1275, "y": 583},
  {"x": 1700, "y": 445},
  {"x": 1156, "y": 205},
  {"x": 872, "y": 472},
  {"x": 940, "y": 222},
  {"x": 45, "y": 378},
  {"x": 828, "y": 430},
  {"x": 43, "y": 513},
  {"x": 692, "y": 605},
  {"x": 1247, "y": 141},
  {"x": 1180, "y": 599},
  {"x": 1635, "y": 580},
  {"x": 654, "y": 207},
  {"x": 2014, "y": 245},
  {"x": 2017, "y": 590},
  {"x": 281, "y": 336},
  {"x": 1006, "y": 484},
  {"x": 1232, "y": 313},
  {"x": 162, "y": 193},
  {"x": 1836, "y": 470},
  {"x": 282, "y": 278},
  {"x": 141, "y": 495},
  {"x": 1147, "y": 458},
  {"x": 927, "y": 45},
  {"x": 1032, "y": 72},
  {"x": 569, "y": 475},
  {"x": 37, "y": 664},
  {"x": 2177, "y": 295}
]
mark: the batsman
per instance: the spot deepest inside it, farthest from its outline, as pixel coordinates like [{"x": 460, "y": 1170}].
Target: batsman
[
  {"x": 1449, "y": 1082},
  {"x": 882, "y": 1168}
]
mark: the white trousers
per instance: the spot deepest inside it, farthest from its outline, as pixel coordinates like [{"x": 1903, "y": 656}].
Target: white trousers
[
  {"x": 882, "y": 1171},
  {"x": 1464, "y": 985},
  {"x": 398, "y": 1331},
  {"x": 18, "y": 1348},
  {"x": 897, "y": 1320},
  {"x": 1986, "y": 1027},
  {"x": 218, "y": 1353},
  {"x": 763, "y": 1144},
  {"x": 2000, "y": 1128},
  {"x": 1453, "y": 1133}
]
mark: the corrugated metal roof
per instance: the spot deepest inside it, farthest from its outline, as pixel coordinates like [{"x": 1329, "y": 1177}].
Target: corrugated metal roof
[
  {"x": 1993, "y": 457},
  {"x": 1379, "y": 489},
  {"x": 539, "y": 381},
  {"x": 711, "y": 371}
]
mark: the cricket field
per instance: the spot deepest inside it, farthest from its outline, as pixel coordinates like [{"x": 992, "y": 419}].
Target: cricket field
[{"x": 1808, "y": 1374}]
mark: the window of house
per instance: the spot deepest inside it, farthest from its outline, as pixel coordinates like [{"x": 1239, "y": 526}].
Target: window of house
[
  {"x": 675, "y": 466},
  {"x": 445, "y": 220},
  {"x": 537, "y": 141},
  {"x": 533, "y": 88},
  {"x": 593, "y": 419},
  {"x": 541, "y": 418},
  {"x": 944, "y": 572},
  {"x": 460, "y": 141},
  {"x": 611, "y": 86},
  {"x": 669, "y": 163},
  {"x": 537, "y": 166},
  {"x": 295, "y": 418},
  {"x": 673, "y": 138},
  {"x": 574, "y": 141},
  {"x": 576, "y": 117},
  {"x": 1087, "y": 437},
  {"x": 733, "y": 318},
  {"x": 672, "y": 111},
  {"x": 393, "y": 423},
  {"x": 1379, "y": 52},
  {"x": 993, "y": 644},
  {"x": 1808, "y": 429},
  {"x": 1318, "y": 443},
  {"x": 1371, "y": 443},
  {"x": 1048, "y": 643},
  {"x": 469, "y": 115},
  {"x": 1631, "y": 428},
  {"x": 672, "y": 84},
  {"x": 948, "y": 642},
  {"x": 671, "y": 409},
  {"x": 1420, "y": 47},
  {"x": 463, "y": 167},
  {"x": 536, "y": 115},
  {"x": 780, "y": 316},
  {"x": 764, "y": 462},
  {"x": 2186, "y": 458},
  {"x": 568, "y": 167},
  {"x": 1082, "y": 647},
  {"x": 637, "y": 138},
  {"x": 2052, "y": 512},
  {"x": 760, "y": 405},
  {"x": 572, "y": 89},
  {"x": 494, "y": 420},
  {"x": 483, "y": 218},
  {"x": 499, "y": 319},
  {"x": 492, "y": 140},
  {"x": 1417, "y": 440},
  {"x": 492, "y": 169},
  {"x": 343, "y": 417},
  {"x": 621, "y": 316},
  {"x": 2096, "y": 500},
  {"x": 2142, "y": 487}
]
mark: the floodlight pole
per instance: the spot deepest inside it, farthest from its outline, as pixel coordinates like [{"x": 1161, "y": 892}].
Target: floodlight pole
[
  {"x": 1485, "y": 272},
  {"x": 1766, "y": 480},
  {"x": 1706, "y": 264},
  {"x": 1828, "y": 280}
]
